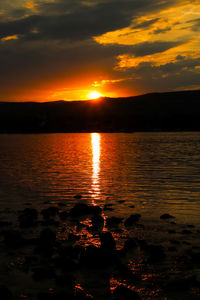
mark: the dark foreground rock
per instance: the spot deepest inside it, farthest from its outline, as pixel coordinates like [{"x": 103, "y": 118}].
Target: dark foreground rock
[
  {"x": 81, "y": 209},
  {"x": 123, "y": 293},
  {"x": 132, "y": 220}
]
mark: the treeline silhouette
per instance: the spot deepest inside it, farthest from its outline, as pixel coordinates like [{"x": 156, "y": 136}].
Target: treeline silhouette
[{"x": 150, "y": 112}]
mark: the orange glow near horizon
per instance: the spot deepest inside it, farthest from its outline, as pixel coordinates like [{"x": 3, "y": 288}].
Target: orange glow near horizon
[
  {"x": 94, "y": 95},
  {"x": 96, "y": 152}
]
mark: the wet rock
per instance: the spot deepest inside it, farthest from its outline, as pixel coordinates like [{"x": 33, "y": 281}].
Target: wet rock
[
  {"x": 5, "y": 224},
  {"x": 166, "y": 217},
  {"x": 49, "y": 212},
  {"x": 97, "y": 222},
  {"x": 155, "y": 252},
  {"x": 28, "y": 218},
  {"x": 43, "y": 273},
  {"x": 107, "y": 241},
  {"x": 13, "y": 238},
  {"x": 172, "y": 249},
  {"x": 49, "y": 222},
  {"x": 81, "y": 209},
  {"x": 78, "y": 196},
  {"x": 47, "y": 236},
  {"x": 171, "y": 231},
  {"x": 63, "y": 215},
  {"x": 132, "y": 220},
  {"x": 130, "y": 245},
  {"x": 97, "y": 258},
  {"x": 185, "y": 231},
  {"x": 5, "y": 293},
  {"x": 113, "y": 222},
  {"x": 175, "y": 242},
  {"x": 122, "y": 293},
  {"x": 190, "y": 226},
  {"x": 66, "y": 280}
]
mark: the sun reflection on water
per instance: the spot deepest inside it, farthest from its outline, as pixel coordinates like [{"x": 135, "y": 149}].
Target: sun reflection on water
[{"x": 96, "y": 152}]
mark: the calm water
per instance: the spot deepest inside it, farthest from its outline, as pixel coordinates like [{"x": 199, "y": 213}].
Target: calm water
[{"x": 155, "y": 172}]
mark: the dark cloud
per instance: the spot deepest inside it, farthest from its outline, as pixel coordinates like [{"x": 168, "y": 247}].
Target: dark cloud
[
  {"x": 77, "y": 21},
  {"x": 163, "y": 30},
  {"x": 145, "y": 24},
  {"x": 149, "y": 48}
]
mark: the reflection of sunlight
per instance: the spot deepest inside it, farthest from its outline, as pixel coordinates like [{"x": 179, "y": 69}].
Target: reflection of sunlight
[{"x": 96, "y": 151}]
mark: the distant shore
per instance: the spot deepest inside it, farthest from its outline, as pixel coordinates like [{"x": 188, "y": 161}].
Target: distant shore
[{"x": 175, "y": 111}]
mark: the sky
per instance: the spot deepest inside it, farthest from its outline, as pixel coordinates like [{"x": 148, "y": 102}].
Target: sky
[{"x": 65, "y": 49}]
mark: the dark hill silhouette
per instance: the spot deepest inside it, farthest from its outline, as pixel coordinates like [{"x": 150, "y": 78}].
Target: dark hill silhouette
[{"x": 150, "y": 112}]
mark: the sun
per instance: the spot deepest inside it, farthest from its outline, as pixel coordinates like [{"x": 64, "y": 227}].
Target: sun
[{"x": 94, "y": 95}]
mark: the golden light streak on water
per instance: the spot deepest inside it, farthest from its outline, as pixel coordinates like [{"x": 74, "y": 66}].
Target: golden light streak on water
[{"x": 96, "y": 153}]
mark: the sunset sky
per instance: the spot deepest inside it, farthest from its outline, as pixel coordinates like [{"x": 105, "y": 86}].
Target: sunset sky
[{"x": 67, "y": 49}]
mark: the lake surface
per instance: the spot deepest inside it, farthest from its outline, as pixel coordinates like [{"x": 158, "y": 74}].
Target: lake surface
[{"x": 156, "y": 172}]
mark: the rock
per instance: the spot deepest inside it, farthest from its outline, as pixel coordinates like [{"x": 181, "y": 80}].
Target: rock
[
  {"x": 107, "y": 241},
  {"x": 113, "y": 222},
  {"x": 185, "y": 231},
  {"x": 67, "y": 280},
  {"x": 154, "y": 252},
  {"x": 166, "y": 216},
  {"x": 172, "y": 249},
  {"x": 171, "y": 231},
  {"x": 13, "y": 238},
  {"x": 49, "y": 212},
  {"x": 132, "y": 220},
  {"x": 43, "y": 273},
  {"x": 124, "y": 293},
  {"x": 63, "y": 215},
  {"x": 28, "y": 218},
  {"x": 49, "y": 222},
  {"x": 78, "y": 196},
  {"x": 97, "y": 222},
  {"x": 97, "y": 258},
  {"x": 130, "y": 244},
  {"x": 5, "y": 223},
  {"x": 5, "y": 293},
  {"x": 47, "y": 235},
  {"x": 81, "y": 209}
]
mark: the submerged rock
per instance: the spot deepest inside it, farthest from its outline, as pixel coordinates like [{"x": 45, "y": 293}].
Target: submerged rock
[
  {"x": 28, "y": 218},
  {"x": 49, "y": 212},
  {"x": 166, "y": 216},
  {"x": 81, "y": 209},
  {"x": 113, "y": 222},
  {"x": 132, "y": 220}
]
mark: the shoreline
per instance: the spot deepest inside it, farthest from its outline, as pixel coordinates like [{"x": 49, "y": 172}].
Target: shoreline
[{"x": 56, "y": 250}]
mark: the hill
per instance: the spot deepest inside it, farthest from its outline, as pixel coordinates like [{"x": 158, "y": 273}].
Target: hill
[{"x": 150, "y": 112}]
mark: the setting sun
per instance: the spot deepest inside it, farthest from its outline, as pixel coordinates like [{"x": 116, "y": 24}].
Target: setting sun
[{"x": 94, "y": 95}]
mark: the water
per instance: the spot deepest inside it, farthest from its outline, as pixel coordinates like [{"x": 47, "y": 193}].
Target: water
[{"x": 155, "y": 172}]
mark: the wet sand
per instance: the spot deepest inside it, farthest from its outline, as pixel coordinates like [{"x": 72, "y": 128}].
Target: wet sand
[{"x": 88, "y": 252}]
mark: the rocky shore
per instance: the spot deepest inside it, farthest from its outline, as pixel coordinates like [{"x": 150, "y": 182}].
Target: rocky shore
[{"x": 84, "y": 253}]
